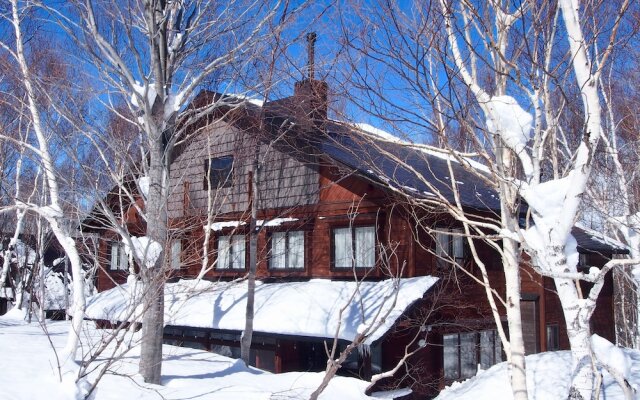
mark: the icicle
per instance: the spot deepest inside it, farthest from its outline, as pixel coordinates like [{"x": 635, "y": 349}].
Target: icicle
[{"x": 364, "y": 351}]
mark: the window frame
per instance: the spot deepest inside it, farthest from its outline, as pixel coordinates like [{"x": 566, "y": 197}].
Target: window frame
[
  {"x": 220, "y": 183},
  {"x": 460, "y": 351},
  {"x": 122, "y": 258},
  {"x": 287, "y": 236},
  {"x": 172, "y": 255},
  {"x": 448, "y": 256},
  {"x": 354, "y": 247},
  {"x": 230, "y": 267},
  {"x": 553, "y": 337}
]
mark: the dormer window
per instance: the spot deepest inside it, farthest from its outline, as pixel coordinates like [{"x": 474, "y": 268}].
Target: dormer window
[{"x": 218, "y": 172}]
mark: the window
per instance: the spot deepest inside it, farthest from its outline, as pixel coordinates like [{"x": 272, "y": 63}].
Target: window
[
  {"x": 449, "y": 246},
  {"x": 287, "y": 250},
  {"x": 553, "y": 337},
  {"x": 529, "y": 315},
  {"x": 462, "y": 352},
  {"x": 219, "y": 170},
  {"x": 119, "y": 259},
  {"x": 231, "y": 250},
  {"x": 354, "y": 247},
  {"x": 582, "y": 260},
  {"x": 176, "y": 250}
]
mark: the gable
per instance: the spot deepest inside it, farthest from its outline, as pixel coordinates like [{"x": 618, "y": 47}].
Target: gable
[{"x": 283, "y": 180}]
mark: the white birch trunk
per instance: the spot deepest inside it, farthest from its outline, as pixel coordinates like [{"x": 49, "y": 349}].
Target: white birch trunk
[{"x": 53, "y": 212}]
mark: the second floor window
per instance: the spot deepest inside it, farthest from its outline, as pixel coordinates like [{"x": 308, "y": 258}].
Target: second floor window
[
  {"x": 449, "y": 246},
  {"x": 176, "y": 250},
  {"x": 287, "y": 250},
  {"x": 231, "y": 252},
  {"x": 354, "y": 247},
  {"x": 218, "y": 172},
  {"x": 119, "y": 259}
]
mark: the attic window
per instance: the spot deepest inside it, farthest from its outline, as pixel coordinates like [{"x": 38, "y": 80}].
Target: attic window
[{"x": 219, "y": 171}]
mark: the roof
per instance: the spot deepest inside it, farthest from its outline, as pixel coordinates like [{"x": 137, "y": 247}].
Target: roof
[
  {"x": 408, "y": 167},
  {"x": 596, "y": 242},
  {"x": 383, "y": 158},
  {"x": 310, "y": 309}
]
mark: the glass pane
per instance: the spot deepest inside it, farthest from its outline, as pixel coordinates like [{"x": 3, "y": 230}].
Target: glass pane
[
  {"x": 468, "y": 357},
  {"x": 343, "y": 248},
  {"x": 237, "y": 251},
  {"x": 296, "y": 249},
  {"x": 176, "y": 249},
  {"x": 450, "y": 355},
  {"x": 114, "y": 256},
  {"x": 365, "y": 246},
  {"x": 278, "y": 248},
  {"x": 487, "y": 352},
  {"x": 223, "y": 252},
  {"x": 124, "y": 259},
  {"x": 457, "y": 244},
  {"x": 442, "y": 244},
  {"x": 220, "y": 172}
]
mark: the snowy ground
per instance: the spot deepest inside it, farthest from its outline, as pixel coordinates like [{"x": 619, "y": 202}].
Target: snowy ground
[
  {"x": 28, "y": 371},
  {"x": 547, "y": 378}
]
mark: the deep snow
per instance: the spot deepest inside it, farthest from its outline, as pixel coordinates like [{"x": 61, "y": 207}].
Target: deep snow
[
  {"x": 293, "y": 308},
  {"x": 29, "y": 371},
  {"x": 548, "y": 377}
]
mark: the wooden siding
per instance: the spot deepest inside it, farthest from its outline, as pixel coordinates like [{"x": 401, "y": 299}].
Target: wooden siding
[{"x": 283, "y": 180}]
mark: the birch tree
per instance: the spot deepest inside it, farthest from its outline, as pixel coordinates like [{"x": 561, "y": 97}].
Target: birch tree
[
  {"x": 51, "y": 210},
  {"x": 157, "y": 55},
  {"x": 496, "y": 73}
]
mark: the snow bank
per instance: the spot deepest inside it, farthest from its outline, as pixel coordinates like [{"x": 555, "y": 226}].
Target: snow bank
[
  {"x": 611, "y": 355},
  {"x": 292, "y": 308},
  {"x": 29, "y": 371},
  {"x": 548, "y": 377}
]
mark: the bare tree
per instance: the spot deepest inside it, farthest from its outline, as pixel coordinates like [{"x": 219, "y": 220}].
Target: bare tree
[
  {"x": 157, "y": 55},
  {"x": 497, "y": 75}
]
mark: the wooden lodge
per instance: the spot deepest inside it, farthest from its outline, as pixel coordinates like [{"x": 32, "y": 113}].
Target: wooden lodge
[{"x": 339, "y": 203}]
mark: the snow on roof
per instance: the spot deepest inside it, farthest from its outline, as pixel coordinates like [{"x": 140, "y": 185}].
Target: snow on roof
[
  {"x": 292, "y": 308},
  {"x": 218, "y": 226},
  {"x": 275, "y": 221},
  {"x": 445, "y": 154},
  {"x": 599, "y": 237},
  {"x": 245, "y": 97}
]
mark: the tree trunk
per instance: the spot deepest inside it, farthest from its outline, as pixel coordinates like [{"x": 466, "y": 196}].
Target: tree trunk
[
  {"x": 577, "y": 316},
  {"x": 152, "y": 278},
  {"x": 247, "y": 333},
  {"x": 517, "y": 364}
]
